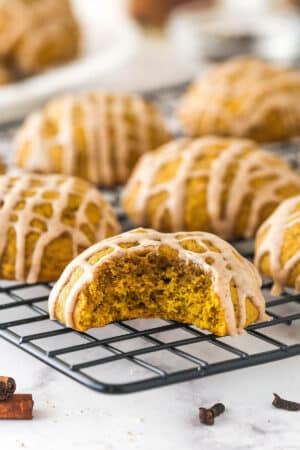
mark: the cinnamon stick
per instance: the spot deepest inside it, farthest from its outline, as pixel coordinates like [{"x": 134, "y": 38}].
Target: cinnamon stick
[
  {"x": 7, "y": 387},
  {"x": 18, "y": 406}
]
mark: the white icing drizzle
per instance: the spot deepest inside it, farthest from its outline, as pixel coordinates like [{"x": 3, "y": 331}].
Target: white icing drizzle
[
  {"x": 250, "y": 167},
  {"x": 275, "y": 227},
  {"x": 110, "y": 137},
  {"x": 257, "y": 86},
  {"x": 12, "y": 191},
  {"x": 225, "y": 266}
]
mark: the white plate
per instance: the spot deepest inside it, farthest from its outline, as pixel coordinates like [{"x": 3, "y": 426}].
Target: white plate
[{"x": 106, "y": 45}]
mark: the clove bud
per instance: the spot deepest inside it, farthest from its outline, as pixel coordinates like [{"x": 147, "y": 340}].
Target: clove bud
[
  {"x": 287, "y": 405},
  {"x": 207, "y": 415},
  {"x": 7, "y": 387}
]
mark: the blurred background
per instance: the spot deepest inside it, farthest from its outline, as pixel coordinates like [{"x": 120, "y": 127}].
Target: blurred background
[
  {"x": 140, "y": 45},
  {"x": 177, "y": 38}
]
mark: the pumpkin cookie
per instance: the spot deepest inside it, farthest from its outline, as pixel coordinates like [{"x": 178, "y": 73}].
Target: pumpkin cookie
[
  {"x": 194, "y": 278},
  {"x": 244, "y": 97},
  {"x": 46, "y": 221},
  {"x": 222, "y": 185},
  {"x": 5, "y": 75},
  {"x": 37, "y": 34},
  {"x": 277, "y": 252},
  {"x": 96, "y": 136}
]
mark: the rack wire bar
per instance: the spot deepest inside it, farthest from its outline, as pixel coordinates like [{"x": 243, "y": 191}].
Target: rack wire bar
[
  {"x": 26, "y": 307},
  {"x": 162, "y": 378},
  {"x": 135, "y": 355}
]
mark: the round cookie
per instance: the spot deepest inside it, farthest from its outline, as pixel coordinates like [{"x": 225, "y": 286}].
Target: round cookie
[
  {"x": 96, "y": 136},
  {"x": 3, "y": 166},
  {"x": 222, "y": 185},
  {"x": 244, "y": 97},
  {"x": 194, "y": 278},
  {"x": 149, "y": 12},
  {"x": 156, "y": 12},
  {"x": 45, "y": 221},
  {"x": 37, "y": 34},
  {"x": 5, "y": 75},
  {"x": 277, "y": 248}
]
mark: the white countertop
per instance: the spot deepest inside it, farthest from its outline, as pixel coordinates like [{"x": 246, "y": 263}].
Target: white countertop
[{"x": 69, "y": 416}]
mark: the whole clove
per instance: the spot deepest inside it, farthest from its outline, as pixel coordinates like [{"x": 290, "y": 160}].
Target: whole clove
[
  {"x": 287, "y": 405},
  {"x": 7, "y": 387},
  {"x": 218, "y": 409},
  {"x": 207, "y": 415}
]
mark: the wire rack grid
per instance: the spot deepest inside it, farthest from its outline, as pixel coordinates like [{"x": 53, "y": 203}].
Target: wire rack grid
[{"x": 136, "y": 355}]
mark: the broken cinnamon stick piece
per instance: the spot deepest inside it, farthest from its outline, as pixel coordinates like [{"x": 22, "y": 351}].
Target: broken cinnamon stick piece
[
  {"x": 18, "y": 406},
  {"x": 7, "y": 387}
]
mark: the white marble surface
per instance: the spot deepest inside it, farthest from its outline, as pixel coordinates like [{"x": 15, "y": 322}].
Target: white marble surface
[{"x": 69, "y": 416}]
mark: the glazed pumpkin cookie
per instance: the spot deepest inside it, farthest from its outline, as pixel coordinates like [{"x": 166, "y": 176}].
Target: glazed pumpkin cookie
[
  {"x": 277, "y": 252},
  {"x": 194, "y": 278},
  {"x": 3, "y": 166},
  {"x": 96, "y": 136},
  {"x": 244, "y": 97},
  {"x": 46, "y": 221},
  {"x": 37, "y": 34},
  {"x": 5, "y": 75},
  {"x": 222, "y": 185},
  {"x": 156, "y": 12}
]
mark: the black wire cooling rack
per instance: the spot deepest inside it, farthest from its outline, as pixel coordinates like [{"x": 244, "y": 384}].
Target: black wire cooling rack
[{"x": 136, "y": 355}]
